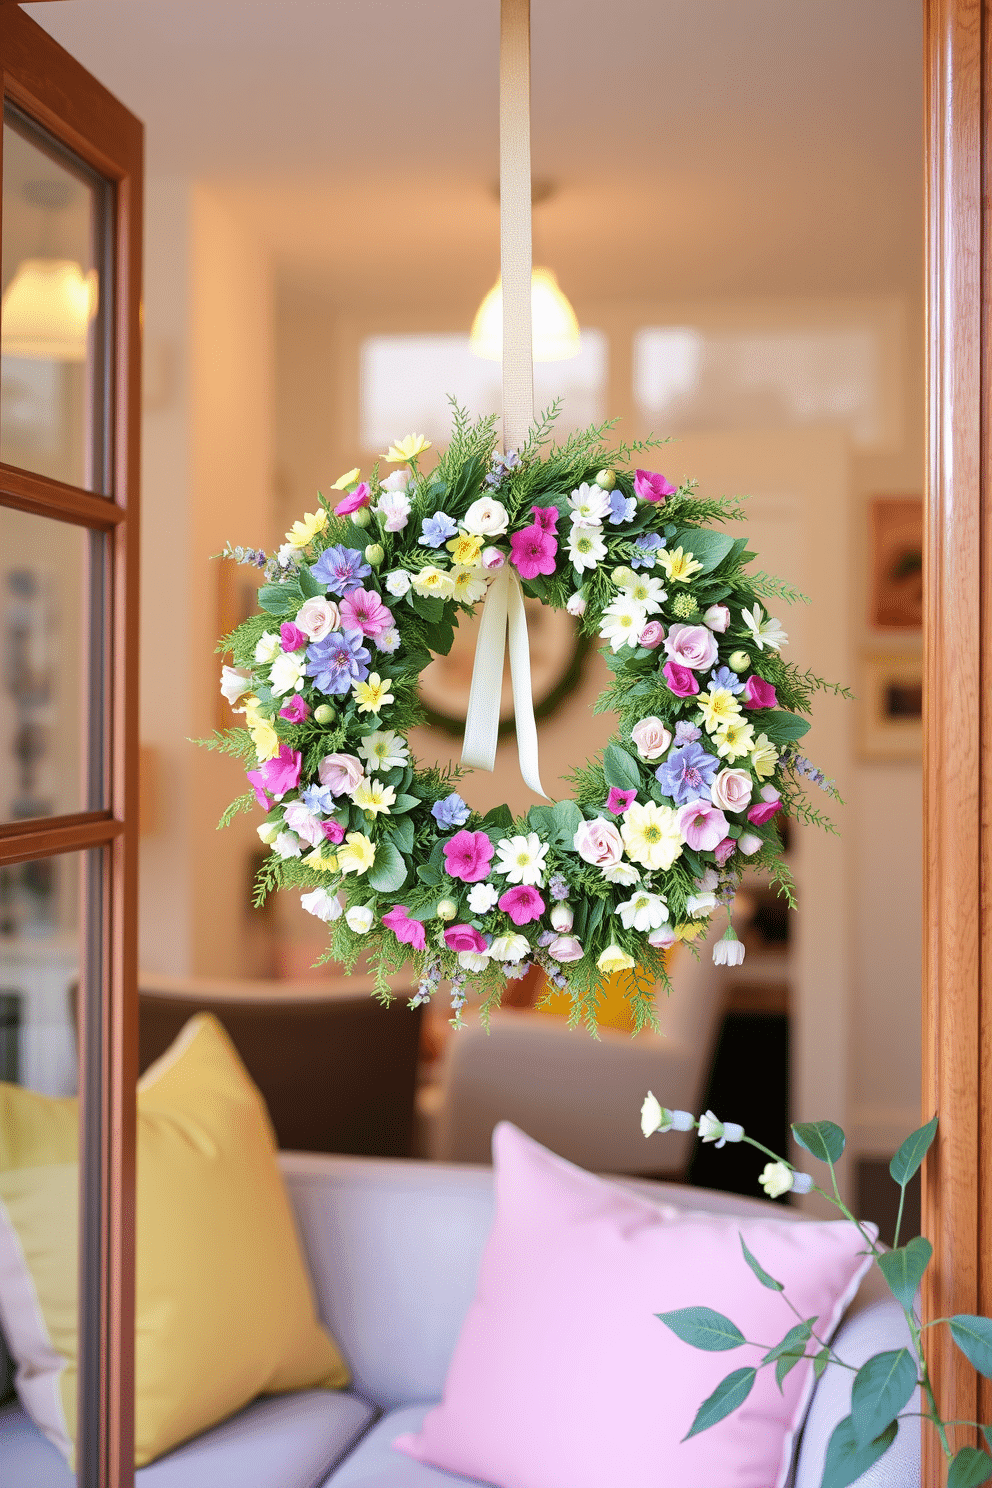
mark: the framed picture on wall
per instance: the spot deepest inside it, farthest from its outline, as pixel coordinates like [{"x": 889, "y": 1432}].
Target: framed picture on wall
[
  {"x": 895, "y": 566},
  {"x": 890, "y": 700}
]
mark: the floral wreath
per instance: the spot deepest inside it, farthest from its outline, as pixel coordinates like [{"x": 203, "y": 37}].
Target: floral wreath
[{"x": 660, "y": 826}]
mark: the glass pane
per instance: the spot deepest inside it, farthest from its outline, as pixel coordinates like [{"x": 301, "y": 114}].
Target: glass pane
[
  {"x": 51, "y": 757},
  {"x": 53, "y": 317},
  {"x": 39, "y": 967}
]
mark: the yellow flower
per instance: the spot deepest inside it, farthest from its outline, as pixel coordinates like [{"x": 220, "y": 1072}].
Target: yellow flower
[
  {"x": 465, "y": 549},
  {"x": 690, "y": 930},
  {"x": 373, "y": 694},
  {"x": 407, "y": 449},
  {"x": 320, "y": 861},
  {"x": 651, "y": 834},
  {"x": 264, "y": 736},
  {"x": 614, "y": 959},
  {"x": 718, "y": 707},
  {"x": 679, "y": 566},
  {"x": 764, "y": 757},
  {"x": 350, "y": 478},
  {"x": 303, "y": 532},
  {"x": 433, "y": 582},
  {"x": 734, "y": 740},
  {"x": 356, "y": 854},
  {"x": 372, "y": 796}
]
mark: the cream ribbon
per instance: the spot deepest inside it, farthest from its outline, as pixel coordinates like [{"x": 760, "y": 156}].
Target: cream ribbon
[{"x": 503, "y": 614}]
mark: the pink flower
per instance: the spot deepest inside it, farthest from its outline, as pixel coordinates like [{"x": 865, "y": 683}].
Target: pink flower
[
  {"x": 296, "y": 709},
  {"x": 522, "y": 904},
  {"x": 340, "y": 773},
  {"x": 702, "y": 825},
  {"x": 301, "y": 820},
  {"x": 546, "y": 517},
  {"x": 763, "y": 811},
  {"x": 317, "y": 617},
  {"x": 618, "y": 800},
  {"x": 759, "y": 694},
  {"x": 533, "y": 552},
  {"x": 662, "y": 938},
  {"x": 651, "y": 487},
  {"x": 724, "y": 850},
  {"x": 692, "y": 646},
  {"x": 598, "y": 842},
  {"x": 464, "y": 938},
  {"x": 333, "y": 831},
  {"x": 565, "y": 948},
  {"x": 257, "y": 782},
  {"x": 731, "y": 790},
  {"x": 680, "y": 679},
  {"x": 468, "y": 855},
  {"x": 364, "y": 611},
  {"x": 281, "y": 774},
  {"x": 651, "y": 738},
  {"x": 356, "y": 498},
  {"x": 717, "y": 617},
  {"x": 407, "y": 931},
  {"x": 291, "y": 637},
  {"x": 492, "y": 559},
  {"x": 652, "y": 635}
]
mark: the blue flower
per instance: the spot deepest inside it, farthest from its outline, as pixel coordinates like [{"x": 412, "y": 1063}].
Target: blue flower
[
  {"x": 451, "y": 812},
  {"x": 319, "y": 798},
  {"x": 622, "y": 508},
  {"x": 340, "y": 569},
  {"x": 646, "y": 547},
  {"x": 436, "y": 530},
  {"x": 337, "y": 661},
  {"x": 686, "y": 733},
  {"x": 725, "y": 680},
  {"x": 687, "y": 774}
]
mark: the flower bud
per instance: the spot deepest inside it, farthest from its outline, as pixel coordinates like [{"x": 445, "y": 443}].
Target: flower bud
[
  {"x": 606, "y": 480},
  {"x": 576, "y": 605},
  {"x": 562, "y": 918},
  {"x": 749, "y": 843},
  {"x": 492, "y": 559},
  {"x": 739, "y": 661},
  {"x": 361, "y": 517},
  {"x": 269, "y": 831},
  {"x": 325, "y": 713},
  {"x": 447, "y": 909},
  {"x": 375, "y": 553}
]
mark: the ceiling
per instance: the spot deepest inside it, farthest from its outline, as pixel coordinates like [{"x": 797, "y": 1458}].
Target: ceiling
[{"x": 699, "y": 147}]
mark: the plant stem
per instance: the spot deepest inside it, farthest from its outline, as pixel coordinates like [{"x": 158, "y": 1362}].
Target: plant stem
[{"x": 902, "y": 1200}]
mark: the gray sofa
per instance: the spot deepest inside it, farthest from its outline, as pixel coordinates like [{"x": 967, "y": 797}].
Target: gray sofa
[{"x": 394, "y": 1248}]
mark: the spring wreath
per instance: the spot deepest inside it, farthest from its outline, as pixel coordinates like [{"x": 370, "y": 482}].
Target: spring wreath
[{"x": 659, "y": 827}]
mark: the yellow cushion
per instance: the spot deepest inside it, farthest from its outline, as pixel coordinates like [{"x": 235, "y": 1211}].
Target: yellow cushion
[
  {"x": 225, "y": 1310},
  {"x": 614, "y": 1010}
]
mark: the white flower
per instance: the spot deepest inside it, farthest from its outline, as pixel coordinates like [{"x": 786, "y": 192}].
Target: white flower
[
  {"x": 711, "y": 1130},
  {"x": 521, "y": 859},
  {"x": 325, "y": 905},
  {"x": 622, "y": 622},
  {"x": 287, "y": 845},
  {"x": 728, "y": 951},
  {"x": 267, "y": 648},
  {"x": 624, "y": 874},
  {"x": 622, "y": 576},
  {"x": 469, "y": 584},
  {"x": 590, "y": 505},
  {"x": 393, "y": 510},
  {"x": 654, "y": 1117},
  {"x": 398, "y": 583},
  {"x": 268, "y": 832},
  {"x": 643, "y": 912},
  {"x": 481, "y": 898},
  {"x": 288, "y": 672},
  {"x": 576, "y": 606},
  {"x": 472, "y": 961},
  {"x": 433, "y": 583},
  {"x": 585, "y": 547},
  {"x": 776, "y": 1179},
  {"x": 399, "y": 480},
  {"x": 234, "y": 682},
  {"x": 649, "y": 593},
  {"x": 510, "y": 948},
  {"x": 562, "y": 918},
  {"x": 389, "y": 641},
  {"x": 359, "y": 918},
  {"x": 717, "y": 617},
  {"x": 749, "y": 843},
  {"x": 486, "y": 518},
  {"x": 709, "y": 881},
  {"x": 384, "y": 750},
  {"x": 766, "y": 631},
  {"x": 697, "y": 905}
]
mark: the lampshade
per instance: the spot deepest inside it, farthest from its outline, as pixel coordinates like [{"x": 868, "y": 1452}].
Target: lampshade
[
  {"x": 46, "y": 311},
  {"x": 555, "y": 328}
]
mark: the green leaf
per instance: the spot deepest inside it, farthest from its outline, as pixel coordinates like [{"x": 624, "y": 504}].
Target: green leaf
[
  {"x": 620, "y": 769},
  {"x": 822, "y": 1139},
  {"x": 388, "y": 872},
  {"x": 499, "y": 816},
  {"x": 596, "y": 911},
  {"x": 762, "y": 1275},
  {"x": 703, "y": 1328},
  {"x": 403, "y": 803},
  {"x": 784, "y": 1363},
  {"x": 820, "y": 1362},
  {"x": 428, "y": 607},
  {"x": 539, "y": 819},
  {"x": 279, "y": 599},
  {"x": 440, "y": 635},
  {"x": 796, "y": 1339},
  {"x": 846, "y": 1461},
  {"x": 707, "y": 547},
  {"x": 429, "y": 875},
  {"x": 781, "y": 727},
  {"x": 912, "y": 1152},
  {"x": 970, "y": 1467},
  {"x": 425, "y": 912},
  {"x": 401, "y": 834},
  {"x": 310, "y": 587},
  {"x": 973, "y": 1336},
  {"x": 728, "y": 1395},
  {"x": 903, "y": 1269},
  {"x": 567, "y": 819},
  {"x": 881, "y": 1388}
]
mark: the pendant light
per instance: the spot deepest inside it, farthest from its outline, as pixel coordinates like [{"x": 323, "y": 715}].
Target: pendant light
[
  {"x": 47, "y": 309},
  {"x": 556, "y": 330}
]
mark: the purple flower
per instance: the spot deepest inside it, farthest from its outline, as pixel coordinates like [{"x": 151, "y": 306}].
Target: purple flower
[
  {"x": 522, "y": 904},
  {"x": 451, "y": 812},
  {"x": 687, "y": 774},
  {"x": 686, "y": 733},
  {"x": 622, "y": 508},
  {"x": 725, "y": 679},
  {"x": 337, "y": 661},
  {"x": 436, "y": 530},
  {"x": 558, "y": 887},
  {"x": 340, "y": 569},
  {"x": 546, "y": 517},
  {"x": 318, "y": 798},
  {"x": 646, "y": 547}
]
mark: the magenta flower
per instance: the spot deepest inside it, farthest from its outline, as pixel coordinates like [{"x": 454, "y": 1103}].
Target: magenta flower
[
  {"x": 703, "y": 825},
  {"x": 680, "y": 679},
  {"x": 652, "y": 635},
  {"x": 522, "y": 904},
  {"x": 763, "y": 811},
  {"x": 291, "y": 637},
  {"x": 333, "y": 831},
  {"x": 724, "y": 850},
  {"x": 759, "y": 694},
  {"x": 464, "y": 938},
  {"x": 282, "y": 774},
  {"x": 296, "y": 710},
  {"x": 533, "y": 551},
  {"x": 364, "y": 611},
  {"x": 546, "y": 517},
  {"x": 407, "y": 931},
  {"x": 257, "y": 782},
  {"x": 467, "y": 856},
  {"x": 651, "y": 487},
  {"x": 619, "y": 800},
  {"x": 356, "y": 498}
]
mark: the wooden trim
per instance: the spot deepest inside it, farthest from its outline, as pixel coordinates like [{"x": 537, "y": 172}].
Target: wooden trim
[
  {"x": 20, "y": 842},
  {"x": 49, "y": 498}
]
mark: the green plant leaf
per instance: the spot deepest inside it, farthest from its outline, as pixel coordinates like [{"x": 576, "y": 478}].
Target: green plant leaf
[
  {"x": 973, "y": 1336},
  {"x": 310, "y": 587},
  {"x": 784, "y": 1363},
  {"x": 428, "y": 875},
  {"x": 425, "y": 912},
  {"x": 881, "y": 1388},
  {"x": 703, "y": 1328},
  {"x": 796, "y": 1338},
  {"x": 401, "y": 833},
  {"x": 566, "y": 818},
  {"x": 912, "y": 1152},
  {"x": 781, "y": 727},
  {"x": 970, "y": 1467},
  {"x": 728, "y": 1395},
  {"x": 822, "y": 1139},
  {"x": 707, "y": 547},
  {"x": 846, "y": 1461},
  {"x": 820, "y": 1362},
  {"x": 279, "y": 599},
  {"x": 620, "y": 769},
  {"x": 440, "y": 635},
  {"x": 499, "y": 816},
  {"x": 760, "y": 1273},
  {"x": 903, "y": 1268},
  {"x": 403, "y": 803},
  {"x": 388, "y": 872}
]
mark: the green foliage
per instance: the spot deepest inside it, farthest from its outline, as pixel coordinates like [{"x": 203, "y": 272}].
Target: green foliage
[
  {"x": 908, "y": 1159},
  {"x": 971, "y": 1466},
  {"x": 703, "y": 1328},
  {"x": 243, "y": 803},
  {"x": 973, "y": 1336},
  {"x": 235, "y": 741},
  {"x": 903, "y": 1269},
  {"x": 881, "y": 1388},
  {"x": 760, "y": 1273},
  {"x": 822, "y": 1139},
  {"x": 728, "y": 1395},
  {"x": 846, "y": 1460}
]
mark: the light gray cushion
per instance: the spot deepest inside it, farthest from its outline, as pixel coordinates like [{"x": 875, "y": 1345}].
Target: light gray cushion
[
  {"x": 284, "y": 1440},
  {"x": 6, "y": 1371},
  {"x": 374, "y": 1464}
]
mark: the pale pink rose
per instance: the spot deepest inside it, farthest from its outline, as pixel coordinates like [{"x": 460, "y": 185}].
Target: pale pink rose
[
  {"x": 565, "y": 948},
  {"x": 662, "y": 938},
  {"x": 301, "y": 820},
  {"x": 651, "y": 737},
  {"x": 692, "y": 646},
  {"x": 318, "y": 617},
  {"x": 493, "y": 559},
  {"x": 702, "y": 825},
  {"x": 717, "y": 617},
  {"x": 341, "y": 773},
  {"x": 731, "y": 790},
  {"x": 652, "y": 635},
  {"x": 599, "y": 842},
  {"x": 576, "y": 606}
]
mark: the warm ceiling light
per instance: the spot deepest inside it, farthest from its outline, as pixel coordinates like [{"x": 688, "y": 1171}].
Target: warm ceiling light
[
  {"x": 47, "y": 309},
  {"x": 556, "y": 330}
]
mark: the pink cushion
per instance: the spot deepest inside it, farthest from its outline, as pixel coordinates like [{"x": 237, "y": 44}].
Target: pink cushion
[{"x": 563, "y": 1377}]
